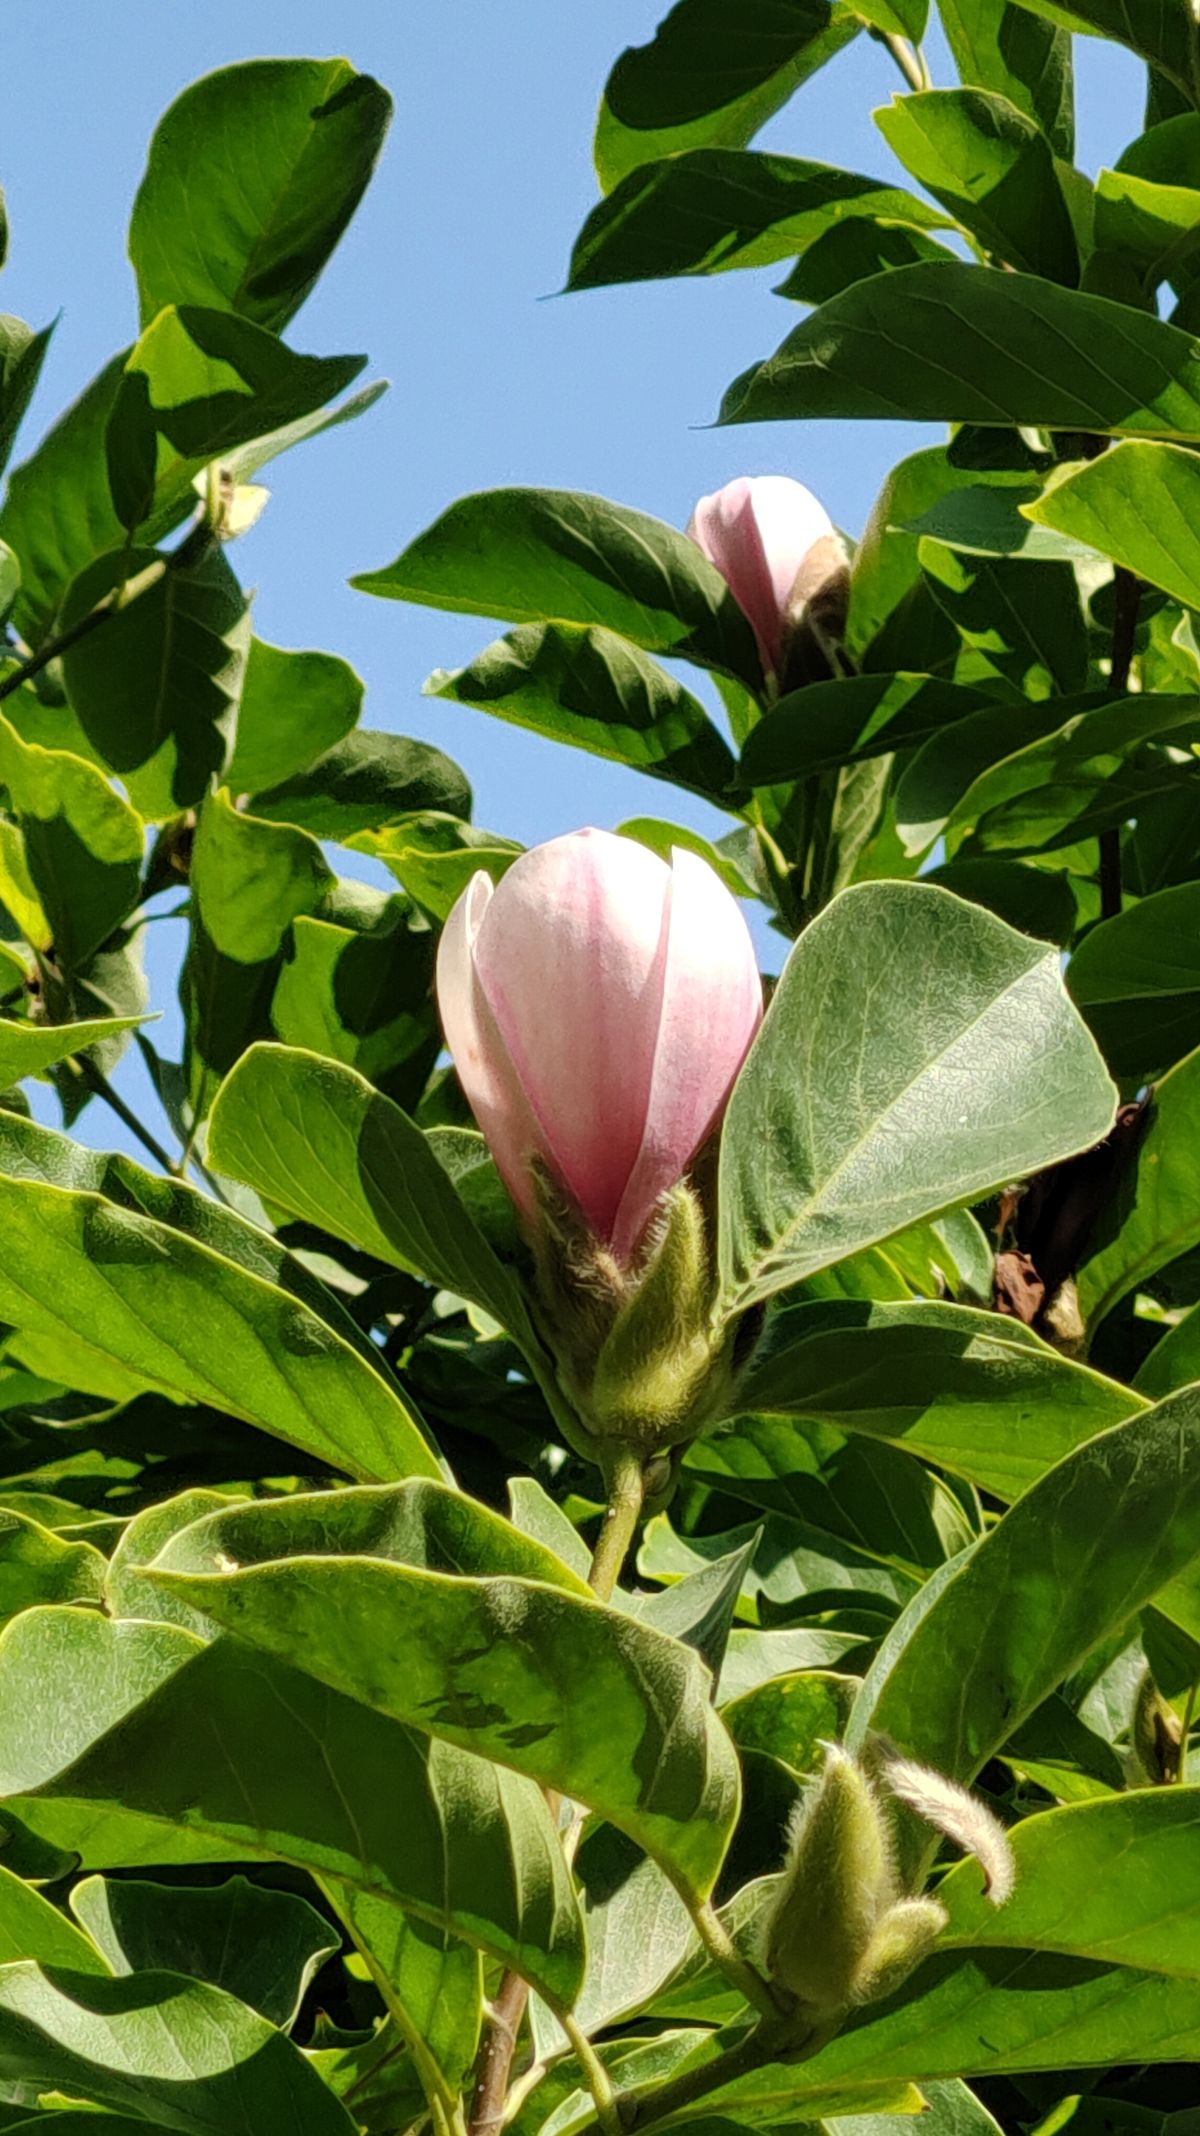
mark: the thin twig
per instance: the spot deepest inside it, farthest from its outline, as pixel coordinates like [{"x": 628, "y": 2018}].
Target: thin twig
[
  {"x": 1127, "y": 600},
  {"x": 100, "y": 1087}
]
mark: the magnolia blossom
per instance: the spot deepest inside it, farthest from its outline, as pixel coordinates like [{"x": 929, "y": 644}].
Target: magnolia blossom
[
  {"x": 598, "y": 1004},
  {"x": 776, "y": 548}
]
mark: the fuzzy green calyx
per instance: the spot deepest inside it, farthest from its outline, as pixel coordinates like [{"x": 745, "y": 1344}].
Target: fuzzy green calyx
[
  {"x": 636, "y": 1351},
  {"x": 839, "y": 1884}
]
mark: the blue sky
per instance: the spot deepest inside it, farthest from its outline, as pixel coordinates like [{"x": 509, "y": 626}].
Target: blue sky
[{"x": 445, "y": 279}]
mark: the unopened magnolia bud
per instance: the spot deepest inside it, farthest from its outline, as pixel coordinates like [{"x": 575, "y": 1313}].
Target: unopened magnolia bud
[
  {"x": 785, "y": 564},
  {"x": 1155, "y": 1737},
  {"x": 838, "y": 1884},
  {"x": 904, "y": 1935}
]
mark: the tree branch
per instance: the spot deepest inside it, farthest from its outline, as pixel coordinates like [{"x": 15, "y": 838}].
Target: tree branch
[{"x": 1127, "y": 600}]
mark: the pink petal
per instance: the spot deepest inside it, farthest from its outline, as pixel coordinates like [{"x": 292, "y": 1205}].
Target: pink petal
[
  {"x": 757, "y": 531},
  {"x": 480, "y": 1056},
  {"x": 711, "y": 1009},
  {"x": 570, "y": 957}
]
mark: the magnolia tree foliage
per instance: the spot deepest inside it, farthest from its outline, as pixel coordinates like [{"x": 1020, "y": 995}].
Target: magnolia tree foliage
[{"x": 685, "y": 1610}]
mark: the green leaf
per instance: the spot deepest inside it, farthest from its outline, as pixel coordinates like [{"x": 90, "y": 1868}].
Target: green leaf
[
  {"x": 314, "y": 1138},
  {"x": 850, "y": 251},
  {"x": 198, "y": 383},
  {"x": 798, "y": 1570},
  {"x": 22, "y": 354},
  {"x": 81, "y": 843},
  {"x": 1156, "y": 226},
  {"x": 992, "y": 167},
  {"x": 38, "y": 1566},
  {"x": 1136, "y": 979},
  {"x": 999, "y": 1628},
  {"x": 250, "y": 880},
  {"x": 261, "y": 1945},
  {"x": 698, "y": 1608},
  {"x": 1036, "y": 900},
  {"x": 175, "y": 2052},
  {"x": 558, "y": 556},
  {"x": 156, "y": 687},
  {"x": 709, "y": 80},
  {"x": 95, "y": 1250},
  {"x": 1023, "y": 622},
  {"x": 840, "y": 1131},
  {"x": 364, "y": 783},
  {"x": 1164, "y": 34},
  {"x": 792, "y": 1718},
  {"x": 638, "y": 1929},
  {"x": 845, "y": 722},
  {"x": 597, "y": 691},
  {"x": 585, "y": 1701},
  {"x": 58, "y": 511},
  {"x": 713, "y": 209},
  {"x": 434, "y": 856},
  {"x": 362, "y": 998},
  {"x": 996, "y": 45},
  {"x": 1028, "y": 354},
  {"x": 179, "y": 1752},
  {"x": 253, "y": 174},
  {"x": 294, "y": 706},
  {"x": 1116, "y": 1880},
  {"x": 31, "y": 1048},
  {"x": 30, "y": 1927},
  {"x": 1137, "y": 504},
  {"x": 432, "y": 1984},
  {"x": 127, "y": 1592},
  {"x": 1155, "y": 1213}
]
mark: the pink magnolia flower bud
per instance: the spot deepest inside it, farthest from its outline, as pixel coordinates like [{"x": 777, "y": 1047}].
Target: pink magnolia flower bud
[
  {"x": 598, "y": 1004},
  {"x": 777, "y": 550}
]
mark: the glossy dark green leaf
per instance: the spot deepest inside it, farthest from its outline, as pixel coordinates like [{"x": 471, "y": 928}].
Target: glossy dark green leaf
[
  {"x": 293, "y": 707},
  {"x": 840, "y": 1130},
  {"x": 996, "y": 45},
  {"x": 1020, "y": 622},
  {"x": 558, "y": 556},
  {"x": 362, "y": 997},
  {"x": 1037, "y": 900},
  {"x": 434, "y": 856},
  {"x": 261, "y": 1945},
  {"x": 197, "y": 384},
  {"x": 708, "y": 81},
  {"x": 1137, "y": 980},
  {"x": 182, "y": 1753},
  {"x": 712, "y": 209},
  {"x": 253, "y": 174},
  {"x": 99, "y": 1252},
  {"x": 80, "y": 843},
  {"x": 992, "y": 168},
  {"x": 845, "y": 722},
  {"x": 852, "y": 251},
  {"x": 364, "y": 783},
  {"x": 585, "y": 1701},
  {"x": 994, "y": 1633},
  {"x": 58, "y": 511},
  {"x": 1029, "y": 353},
  {"x": 156, "y": 687},
  {"x": 597, "y": 691},
  {"x": 22, "y": 353},
  {"x": 1137, "y": 504},
  {"x": 1154, "y": 1215},
  {"x": 174, "y": 2052},
  {"x": 1163, "y": 34},
  {"x": 1116, "y": 1880}
]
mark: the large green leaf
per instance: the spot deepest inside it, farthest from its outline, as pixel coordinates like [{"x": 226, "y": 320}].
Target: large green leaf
[
  {"x": 1027, "y": 353},
  {"x": 580, "y": 1698},
  {"x": 558, "y": 556},
  {"x": 174, "y": 2052},
  {"x": 713, "y": 209},
  {"x": 997, "y": 46},
  {"x": 596, "y": 690},
  {"x": 253, "y": 174},
  {"x": 365, "y": 782},
  {"x": 363, "y": 997},
  {"x": 31, "y": 1927},
  {"x": 1154, "y": 1215},
  {"x": 999, "y": 1628},
  {"x": 58, "y": 510},
  {"x": 917, "y": 1053},
  {"x": 432, "y": 1984},
  {"x": 82, "y": 844},
  {"x": 30, "y": 1048},
  {"x": 95, "y": 1251},
  {"x": 1139, "y": 505},
  {"x": 294, "y": 706},
  {"x": 156, "y": 687},
  {"x": 261, "y": 1945},
  {"x": 710, "y": 80},
  {"x": 992, "y": 167},
  {"x": 314, "y": 1138},
  {"x": 1020, "y": 622},
  {"x": 978, "y": 1395},
  {"x": 22, "y": 353},
  {"x": 175, "y": 1752},
  {"x": 197, "y": 384},
  {"x": 1137, "y": 980},
  {"x": 829, "y": 724},
  {"x": 1163, "y": 33},
  {"x": 1117, "y": 1880}
]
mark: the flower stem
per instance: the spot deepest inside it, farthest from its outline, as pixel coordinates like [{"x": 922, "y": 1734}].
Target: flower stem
[
  {"x": 625, "y": 1479},
  {"x": 726, "y": 1956},
  {"x": 910, "y": 61}
]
